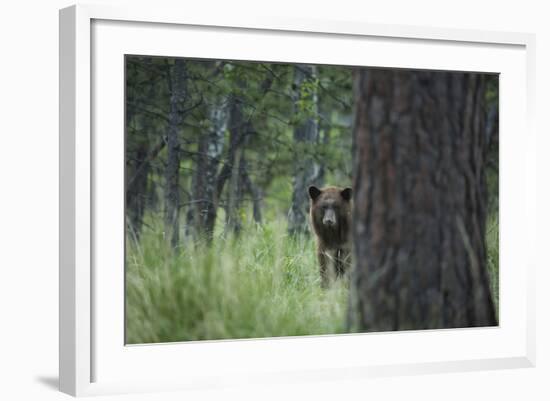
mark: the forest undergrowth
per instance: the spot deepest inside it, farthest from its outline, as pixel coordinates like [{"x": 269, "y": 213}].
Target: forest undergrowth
[{"x": 263, "y": 283}]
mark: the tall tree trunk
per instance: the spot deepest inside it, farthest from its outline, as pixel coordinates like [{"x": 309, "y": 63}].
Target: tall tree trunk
[
  {"x": 137, "y": 162},
  {"x": 136, "y": 192},
  {"x": 419, "y": 201},
  {"x": 203, "y": 210},
  {"x": 306, "y": 132},
  {"x": 240, "y": 183},
  {"x": 175, "y": 118},
  {"x": 236, "y": 167},
  {"x": 235, "y": 193},
  {"x": 254, "y": 191},
  {"x": 321, "y": 172},
  {"x": 231, "y": 168}
]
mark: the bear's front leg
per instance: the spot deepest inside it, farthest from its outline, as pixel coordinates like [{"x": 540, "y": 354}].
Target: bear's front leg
[
  {"x": 343, "y": 261},
  {"x": 323, "y": 265}
]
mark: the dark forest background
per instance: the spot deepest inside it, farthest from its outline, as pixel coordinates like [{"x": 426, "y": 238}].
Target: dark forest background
[{"x": 219, "y": 155}]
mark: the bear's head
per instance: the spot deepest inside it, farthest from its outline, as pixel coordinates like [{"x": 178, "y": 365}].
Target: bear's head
[{"x": 330, "y": 206}]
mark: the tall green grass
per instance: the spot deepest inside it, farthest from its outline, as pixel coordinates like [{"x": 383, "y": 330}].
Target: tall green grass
[{"x": 262, "y": 284}]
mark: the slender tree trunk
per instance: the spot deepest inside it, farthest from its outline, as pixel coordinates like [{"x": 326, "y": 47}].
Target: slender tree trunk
[
  {"x": 231, "y": 168},
  {"x": 235, "y": 194},
  {"x": 254, "y": 192},
  {"x": 214, "y": 151},
  {"x": 323, "y": 138},
  {"x": 137, "y": 159},
  {"x": 136, "y": 193},
  {"x": 306, "y": 170},
  {"x": 235, "y": 168},
  {"x": 175, "y": 119},
  {"x": 203, "y": 210},
  {"x": 236, "y": 135},
  {"x": 419, "y": 201},
  {"x": 321, "y": 172},
  {"x": 240, "y": 184}
]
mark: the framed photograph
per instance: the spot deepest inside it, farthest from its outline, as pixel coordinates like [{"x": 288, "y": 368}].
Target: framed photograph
[{"x": 271, "y": 200}]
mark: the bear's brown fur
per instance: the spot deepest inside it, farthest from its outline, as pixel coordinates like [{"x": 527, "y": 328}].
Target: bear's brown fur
[{"x": 330, "y": 215}]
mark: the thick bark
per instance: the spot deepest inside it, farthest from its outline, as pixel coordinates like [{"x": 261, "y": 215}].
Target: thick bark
[
  {"x": 175, "y": 119},
  {"x": 306, "y": 170},
  {"x": 419, "y": 201}
]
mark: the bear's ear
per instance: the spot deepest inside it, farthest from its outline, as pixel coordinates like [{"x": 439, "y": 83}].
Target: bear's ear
[
  {"x": 314, "y": 192},
  {"x": 346, "y": 194}
]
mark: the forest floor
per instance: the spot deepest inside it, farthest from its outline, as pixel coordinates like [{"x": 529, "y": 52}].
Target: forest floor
[{"x": 261, "y": 284}]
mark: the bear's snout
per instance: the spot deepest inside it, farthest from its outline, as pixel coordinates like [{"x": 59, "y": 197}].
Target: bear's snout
[{"x": 329, "y": 218}]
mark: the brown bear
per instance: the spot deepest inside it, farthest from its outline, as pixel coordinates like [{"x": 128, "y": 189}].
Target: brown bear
[{"x": 330, "y": 214}]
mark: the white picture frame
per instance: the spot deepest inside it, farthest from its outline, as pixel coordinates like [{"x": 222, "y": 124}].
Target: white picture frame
[{"x": 93, "y": 357}]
